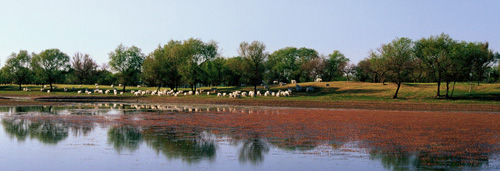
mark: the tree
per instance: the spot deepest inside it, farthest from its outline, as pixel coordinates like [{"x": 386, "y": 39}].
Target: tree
[
  {"x": 50, "y": 65},
  {"x": 84, "y": 68},
  {"x": 314, "y": 68},
  {"x": 255, "y": 56},
  {"x": 335, "y": 65},
  {"x": 127, "y": 61},
  {"x": 235, "y": 73},
  {"x": 435, "y": 52},
  {"x": 377, "y": 65},
  {"x": 364, "y": 72},
  {"x": 482, "y": 59},
  {"x": 18, "y": 67},
  {"x": 350, "y": 70},
  {"x": 195, "y": 53},
  {"x": 399, "y": 59}
]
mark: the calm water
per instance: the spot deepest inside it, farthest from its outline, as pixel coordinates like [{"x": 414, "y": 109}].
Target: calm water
[{"x": 182, "y": 137}]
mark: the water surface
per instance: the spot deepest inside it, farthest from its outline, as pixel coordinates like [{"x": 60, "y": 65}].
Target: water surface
[{"x": 114, "y": 136}]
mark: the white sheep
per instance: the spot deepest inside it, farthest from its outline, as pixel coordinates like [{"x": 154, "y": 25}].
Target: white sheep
[
  {"x": 219, "y": 94},
  {"x": 208, "y": 93},
  {"x": 121, "y": 93},
  {"x": 48, "y": 91},
  {"x": 79, "y": 91}
]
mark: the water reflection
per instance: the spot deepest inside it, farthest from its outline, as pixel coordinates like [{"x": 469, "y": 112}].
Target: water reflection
[
  {"x": 125, "y": 138},
  {"x": 190, "y": 147},
  {"x": 192, "y": 133},
  {"x": 253, "y": 150},
  {"x": 43, "y": 131}
]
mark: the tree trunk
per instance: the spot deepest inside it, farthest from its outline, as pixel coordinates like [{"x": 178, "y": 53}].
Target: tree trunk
[
  {"x": 20, "y": 86},
  {"x": 123, "y": 88},
  {"x": 439, "y": 87},
  {"x": 453, "y": 89},
  {"x": 50, "y": 86},
  {"x": 447, "y": 89},
  {"x": 397, "y": 90},
  {"x": 158, "y": 90},
  {"x": 255, "y": 88}
]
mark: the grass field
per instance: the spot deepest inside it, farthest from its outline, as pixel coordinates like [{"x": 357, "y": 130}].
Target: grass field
[{"x": 336, "y": 91}]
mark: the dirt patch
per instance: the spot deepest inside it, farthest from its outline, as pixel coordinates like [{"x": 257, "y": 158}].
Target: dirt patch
[{"x": 370, "y": 105}]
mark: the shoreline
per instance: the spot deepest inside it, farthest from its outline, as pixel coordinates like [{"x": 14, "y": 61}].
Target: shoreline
[{"x": 365, "y": 105}]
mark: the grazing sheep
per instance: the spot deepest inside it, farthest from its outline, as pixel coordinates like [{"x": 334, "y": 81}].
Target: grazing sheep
[
  {"x": 137, "y": 93},
  {"x": 79, "y": 91},
  {"x": 275, "y": 82},
  {"x": 273, "y": 94},
  {"x": 293, "y": 82},
  {"x": 138, "y": 86},
  {"x": 208, "y": 93},
  {"x": 224, "y": 94},
  {"x": 48, "y": 91},
  {"x": 121, "y": 93},
  {"x": 219, "y": 94},
  {"x": 89, "y": 92},
  {"x": 65, "y": 89},
  {"x": 258, "y": 93},
  {"x": 197, "y": 93},
  {"x": 80, "y": 86},
  {"x": 42, "y": 89},
  {"x": 106, "y": 92},
  {"x": 318, "y": 80},
  {"x": 244, "y": 94},
  {"x": 96, "y": 84}
]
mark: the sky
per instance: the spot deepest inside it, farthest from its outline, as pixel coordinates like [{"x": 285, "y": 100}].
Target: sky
[{"x": 353, "y": 27}]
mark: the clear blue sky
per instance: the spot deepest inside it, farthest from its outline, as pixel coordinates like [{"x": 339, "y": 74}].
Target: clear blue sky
[{"x": 351, "y": 26}]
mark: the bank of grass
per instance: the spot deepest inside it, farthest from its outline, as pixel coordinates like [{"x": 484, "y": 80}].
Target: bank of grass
[{"x": 488, "y": 93}]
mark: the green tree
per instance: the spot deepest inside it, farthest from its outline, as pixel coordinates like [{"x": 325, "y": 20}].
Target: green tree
[
  {"x": 482, "y": 60},
  {"x": 195, "y": 53},
  {"x": 255, "y": 56},
  {"x": 18, "y": 67},
  {"x": 50, "y": 65},
  {"x": 127, "y": 61},
  {"x": 335, "y": 65},
  {"x": 435, "y": 52},
  {"x": 399, "y": 57},
  {"x": 378, "y": 65},
  {"x": 236, "y": 69}
]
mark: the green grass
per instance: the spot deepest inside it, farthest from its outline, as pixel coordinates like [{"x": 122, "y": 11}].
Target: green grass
[{"x": 337, "y": 91}]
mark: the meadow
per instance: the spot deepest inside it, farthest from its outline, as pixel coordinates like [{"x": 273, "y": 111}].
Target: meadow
[{"x": 485, "y": 93}]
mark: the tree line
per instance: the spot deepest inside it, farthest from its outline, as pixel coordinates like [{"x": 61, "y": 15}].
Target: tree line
[{"x": 194, "y": 63}]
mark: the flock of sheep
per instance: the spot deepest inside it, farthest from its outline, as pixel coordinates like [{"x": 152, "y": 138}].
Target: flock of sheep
[{"x": 235, "y": 94}]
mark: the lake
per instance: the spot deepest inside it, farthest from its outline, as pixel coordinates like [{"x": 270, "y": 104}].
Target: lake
[{"x": 123, "y": 136}]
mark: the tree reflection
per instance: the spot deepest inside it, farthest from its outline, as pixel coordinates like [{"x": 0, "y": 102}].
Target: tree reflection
[
  {"x": 422, "y": 161},
  {"x": 45, "y": 132},
  {"x": 253, "y": 150},
  {"x": 124, "y": 138},
  {"x": 190, "y": 147}
]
